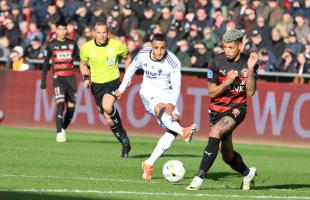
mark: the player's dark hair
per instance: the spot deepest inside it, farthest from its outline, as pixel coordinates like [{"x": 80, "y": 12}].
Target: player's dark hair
[
  {"x": 159, "y": 37},
  {"x": 61, "y": 23}
]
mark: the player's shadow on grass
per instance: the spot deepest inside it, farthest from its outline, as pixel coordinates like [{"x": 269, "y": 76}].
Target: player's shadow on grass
[
  {"x": 286, "y": 186},
  {"x": 34, "y": 196},
  {"x": 166, "y": 155}
]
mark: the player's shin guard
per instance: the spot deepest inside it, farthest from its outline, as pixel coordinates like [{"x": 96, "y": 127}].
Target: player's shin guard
[
  {"x": 59, "y": 116},
  {"x": 169, "y": 122},
  {"x": 209, "y": 155},
  {"x": 238, "y": 165},
  {"x": 68, "y": 117},
  {"x": 118, "y": 129}
]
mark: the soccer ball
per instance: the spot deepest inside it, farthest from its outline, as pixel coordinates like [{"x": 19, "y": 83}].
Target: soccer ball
[{"x": 173, "y": 171}]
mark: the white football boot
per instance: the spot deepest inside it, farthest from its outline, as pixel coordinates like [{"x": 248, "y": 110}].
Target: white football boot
[
  {"x": 195, "y": 184},
  {"x": 248, "y": 180},
  {"x": 61, "y": 136}
]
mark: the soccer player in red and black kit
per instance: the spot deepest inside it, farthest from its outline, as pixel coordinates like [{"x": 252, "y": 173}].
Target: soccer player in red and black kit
[
  {"x": 231, "y": 77},
  {"x": 63, "y": 52}
]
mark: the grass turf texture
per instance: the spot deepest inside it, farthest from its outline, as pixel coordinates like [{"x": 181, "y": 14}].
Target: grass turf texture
[{"x": 33, "y": 166}]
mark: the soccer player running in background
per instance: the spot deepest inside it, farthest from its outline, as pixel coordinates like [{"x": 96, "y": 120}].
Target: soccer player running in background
[
  {"x": 160, "y": 90},
  {"x": 63, "y": 52},
  {"x": 103, "y": 55},
  {"x": 231, "y": 77}
]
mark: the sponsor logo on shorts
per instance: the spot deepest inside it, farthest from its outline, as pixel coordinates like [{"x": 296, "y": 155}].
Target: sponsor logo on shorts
[{"x": 236, "y": 112}]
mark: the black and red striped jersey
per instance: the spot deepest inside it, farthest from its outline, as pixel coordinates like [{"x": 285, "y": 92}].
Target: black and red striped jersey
[
  {"x": 235, "y": 94},
  {"x": 62, "y": 53}
]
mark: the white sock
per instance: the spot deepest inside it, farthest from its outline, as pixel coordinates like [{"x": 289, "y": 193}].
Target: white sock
[
  {"x": 162, "y": 146},
  {"x": 171, "y": 124}
]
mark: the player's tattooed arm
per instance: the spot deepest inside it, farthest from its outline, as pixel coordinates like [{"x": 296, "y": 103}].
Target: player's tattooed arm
[{"x": 251, "y": 82}]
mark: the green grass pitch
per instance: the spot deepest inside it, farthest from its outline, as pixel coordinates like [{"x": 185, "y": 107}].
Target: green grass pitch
[{"x": 33, "y": 166}]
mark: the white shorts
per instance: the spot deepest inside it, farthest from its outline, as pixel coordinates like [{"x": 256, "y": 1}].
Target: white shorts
[{"x": 150, "y": 101}]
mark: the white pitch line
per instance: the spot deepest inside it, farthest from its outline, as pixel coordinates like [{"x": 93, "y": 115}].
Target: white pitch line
[
  {"x": 78, "y": 178},
  {"x": 121, "y": 192}
]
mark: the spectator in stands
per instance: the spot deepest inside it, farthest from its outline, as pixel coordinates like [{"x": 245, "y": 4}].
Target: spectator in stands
[
  {"x": 12, "y": 32},
  {"x": 303, "y": 64},
  {"x": 86, "y": 36},
  {"x": 201, "y": 57},
  {"x": 130, "y": 20},
  {"x": 34, "y": 31},
  {"x": 172, "y": 39},
  {"x": 277, "y": 44},
  {"x": 209, "y": 38},
  {"x": 257, "y": 41},
  {"x": 106, "y": 5},
  {"x": 265, "y": 64},
  {"x": 27, "y": 14},
  {"x": 286, "y": 24},
  {"x": 219, "y": 24},
  {"x": 201, "y": 19},
  {"x": 293, "y": 44},
  {"x": 53, "y": 15},
  {"x": 81, "y": 20},
  {"x": 218, "y": 5},
  {"x": 72, "y": 34},
  {"x": 97, "y": 15},
  {"x": 263, "y": 28},
  {"x": 287, "y": 63},
  {"x": 39, "y": 9},
  {"x": 4, "y": 47},
  {"x": 147, "y": 19},
  {"x": 183, "y": 54},
  {"x": 67, "y": 8},
  {"x": 306, "y": 10},
  {"x": 132, "y": 48},
  {"x": 302, "y": 28},
  {"x": 51, "y": 34},
  {"x": 194, "y": 35},
  {"x": 249, "y": 21},
  {"x": 17, "y": 60},
  {"x": 165, "y": 18},
  {"x": 4, "y": 11},
  {"x": 275, "y": 13},
  {"x": 114, "y": 20},
  {"x": 34, "y": 51}
]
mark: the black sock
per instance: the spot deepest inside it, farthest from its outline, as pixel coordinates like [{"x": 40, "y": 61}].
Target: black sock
[
  {"x": 59, "y": 116},
  {"x": 68, "y": 116},
  {"x": 238, "y": 165},
  {"x": 209, "y": 155},
  {"x": 118, "y": 129}
]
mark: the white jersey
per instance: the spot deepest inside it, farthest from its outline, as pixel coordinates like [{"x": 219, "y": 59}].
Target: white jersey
[{"x": 162, "y": 78}]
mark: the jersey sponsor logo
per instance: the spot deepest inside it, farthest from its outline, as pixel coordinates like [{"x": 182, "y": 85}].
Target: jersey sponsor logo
[
  {"x": 151, "y": 75},
  {"x": 210, "y": 73},
  {"x": 245, "y": 72},
  {"x": 223, "y": 71},
  {"x": 236, "y": 112},
  {"x": 237, "y": 86},
  {"x": 63, "y": 55}
]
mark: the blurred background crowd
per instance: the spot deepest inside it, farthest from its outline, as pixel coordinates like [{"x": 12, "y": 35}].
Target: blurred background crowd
[{"x": 278, "y": 29}]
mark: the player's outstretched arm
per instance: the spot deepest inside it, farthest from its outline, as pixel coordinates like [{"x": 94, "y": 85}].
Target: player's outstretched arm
[{"x": 251, "y": 82}]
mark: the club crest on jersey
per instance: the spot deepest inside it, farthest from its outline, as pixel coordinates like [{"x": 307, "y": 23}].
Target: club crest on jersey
[
  {"x": 71, "y": 46},
  {"x": 210, "y": 73},
  {"x": 245, "y": 73},
  {"x": 236, "y": 112}
]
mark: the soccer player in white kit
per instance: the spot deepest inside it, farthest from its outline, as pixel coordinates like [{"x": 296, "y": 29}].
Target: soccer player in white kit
[{"x": 160, "y": 90}]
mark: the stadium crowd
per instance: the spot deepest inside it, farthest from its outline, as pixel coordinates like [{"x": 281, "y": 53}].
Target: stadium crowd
[{"x": 278, "y": 29}]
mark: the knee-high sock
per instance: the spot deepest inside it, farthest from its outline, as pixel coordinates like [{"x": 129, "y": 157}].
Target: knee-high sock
[
  {"x": 162, "y": 146},
  {"x": 170, "y": 123},
  {"x": 209, "y": 155},
  {"x": 238, "y": 165},
  {"x": 68, "y": 117},
  {"x": 118, "y": 129},
  {"x": 59, "y": 116}
]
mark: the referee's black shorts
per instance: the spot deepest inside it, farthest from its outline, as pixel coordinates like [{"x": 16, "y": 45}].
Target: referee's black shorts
[
  {"x": 100, "y": 89},
  {"x": 65, "y": 88}
]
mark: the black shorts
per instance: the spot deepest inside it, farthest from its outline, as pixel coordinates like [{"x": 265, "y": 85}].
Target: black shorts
[
  {"x": 100, "y": 89},
  {"x": 237, "y": 113},
  {"x": 65, "y": 88}
]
